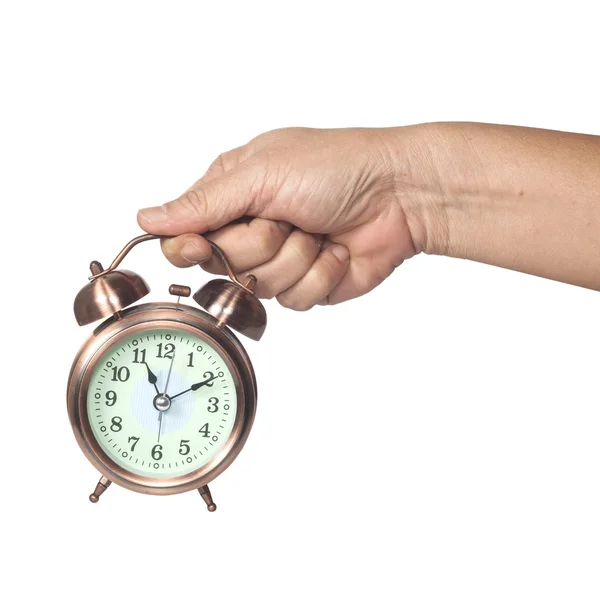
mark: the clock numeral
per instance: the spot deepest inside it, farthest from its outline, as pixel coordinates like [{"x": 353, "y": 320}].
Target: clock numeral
[
  {"x": 137, "y": 439},
  {"x": 169, "y": 349},
  {"x": 191, "y": 361},
  {"x": 213, "y": 405},
  {"x": 111, "y": 398},
  {"x": 116, "y": 424},
  {"x": 209, "y": 375},
  {"x": 184, "y": 448},
  {"x": 156, "y": 452},
  {"x": 204, "y": 430},
  {"x": 121, "y": 374},
  {"x": 136, "y": 355}
]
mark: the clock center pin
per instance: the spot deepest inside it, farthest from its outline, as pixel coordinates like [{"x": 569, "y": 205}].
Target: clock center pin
[{"x": 162, "y": 402}]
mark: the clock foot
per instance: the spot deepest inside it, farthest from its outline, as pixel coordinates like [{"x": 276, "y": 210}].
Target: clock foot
[
  {"x": 100, "y": 489},
  {"x": 207, "y": 497}
]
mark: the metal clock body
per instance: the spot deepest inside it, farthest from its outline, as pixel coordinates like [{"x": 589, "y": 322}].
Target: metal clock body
[{"x": 162, "y": 396}]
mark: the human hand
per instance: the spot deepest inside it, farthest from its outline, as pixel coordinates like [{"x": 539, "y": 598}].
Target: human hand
[
  {"x": 323, "y": 216},
  {"x": 314, "y": 214}
]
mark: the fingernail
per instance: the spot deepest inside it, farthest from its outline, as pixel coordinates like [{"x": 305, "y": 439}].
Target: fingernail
[
  {"x": 340, "y": 252},
  {"x": 193, "y": 253},
  {"x": 154, "y": 214}
]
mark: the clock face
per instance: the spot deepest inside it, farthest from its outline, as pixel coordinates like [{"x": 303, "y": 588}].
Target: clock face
[{"x": 161, "y": 403}]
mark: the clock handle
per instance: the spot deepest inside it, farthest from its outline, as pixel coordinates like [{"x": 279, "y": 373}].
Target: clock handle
[
  {"x": 109, "y": 291},
  {"x": 98, "y": 271}
]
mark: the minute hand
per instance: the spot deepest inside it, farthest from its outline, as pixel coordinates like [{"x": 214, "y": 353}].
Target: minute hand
[{"x": 194, "y": 387}]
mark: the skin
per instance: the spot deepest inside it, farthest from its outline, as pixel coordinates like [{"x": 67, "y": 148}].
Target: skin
[{"x": 321, "y": 216}]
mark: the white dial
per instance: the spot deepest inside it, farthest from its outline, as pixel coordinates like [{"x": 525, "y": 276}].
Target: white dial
[{"x": 162, "y": 403}]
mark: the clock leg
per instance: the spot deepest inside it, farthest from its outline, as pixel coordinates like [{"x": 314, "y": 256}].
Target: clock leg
[
  {"x": 101, "y": 487},
  {"x": 207, "y": 497}
]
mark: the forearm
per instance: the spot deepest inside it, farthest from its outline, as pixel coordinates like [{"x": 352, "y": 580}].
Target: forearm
[{"x": 524, "y": 199}]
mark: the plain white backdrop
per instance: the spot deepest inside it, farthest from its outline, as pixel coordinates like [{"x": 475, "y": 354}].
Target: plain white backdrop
[{"x": 439, "y": 438}]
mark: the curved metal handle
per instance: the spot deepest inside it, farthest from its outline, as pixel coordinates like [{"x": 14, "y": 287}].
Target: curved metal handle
[{"x": 97, "y": 271}]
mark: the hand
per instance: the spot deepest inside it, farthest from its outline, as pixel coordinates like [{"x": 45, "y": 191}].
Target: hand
[
  {"x": 525, "y": 199},
  {"x": 295, "y": 190},
  {"x": 196, "y": 386}
]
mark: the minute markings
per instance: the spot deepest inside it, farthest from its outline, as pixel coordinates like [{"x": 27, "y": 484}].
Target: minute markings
[{"x": 135, "y": 422}]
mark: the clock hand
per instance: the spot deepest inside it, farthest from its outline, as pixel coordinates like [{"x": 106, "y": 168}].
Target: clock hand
[
  {"x": 160, "y": 413},
  {"x": 169, "y": 374},
  {"x": 159, "y": 426},
  {"x": 152, "y": 378},
  {"x": 194, "y": 387}
]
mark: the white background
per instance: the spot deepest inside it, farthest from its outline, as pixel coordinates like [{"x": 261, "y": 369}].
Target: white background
[{"x": 439, "y": 438}]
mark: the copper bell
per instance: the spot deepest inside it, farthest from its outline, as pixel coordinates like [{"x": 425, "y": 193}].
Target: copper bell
[
  {"x": 235, "y": 305},
  {"x": 232, "y": 303},
  {"x": 107, "y": 294}
]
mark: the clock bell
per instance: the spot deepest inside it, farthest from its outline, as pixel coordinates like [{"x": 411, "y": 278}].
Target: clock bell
[{"x": 232, "y": 303}]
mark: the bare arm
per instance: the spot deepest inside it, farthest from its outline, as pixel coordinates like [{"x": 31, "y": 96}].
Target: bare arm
[{"x": 520, "y": 198}]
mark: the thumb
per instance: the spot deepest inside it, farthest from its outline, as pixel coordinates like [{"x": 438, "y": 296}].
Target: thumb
[{"x": 206, "y": 206}]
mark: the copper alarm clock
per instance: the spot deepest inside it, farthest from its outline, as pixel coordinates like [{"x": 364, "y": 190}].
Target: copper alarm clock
[{"x": 162, "y": 396}]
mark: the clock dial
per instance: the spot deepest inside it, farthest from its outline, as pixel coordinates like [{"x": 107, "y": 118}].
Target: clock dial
[{"x": 162, "y": 403}]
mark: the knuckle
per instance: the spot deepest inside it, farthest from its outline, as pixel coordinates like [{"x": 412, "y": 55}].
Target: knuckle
[
  {"x": 293, "y": 302},
  {"x": 284, "y": 301},
  {"x": 217, "y": 166},
  {"x": 312, "y": 244},
  {"x": 263, "y": 248},
  {"x": 270, "y": 136},
  {"x": 194, "y": 201},
  {"x": 278, "y": 137},
  {"x": 226, "y": 161},
  {"x": 267, "y": 239},
  {"x": 323, "y": 275},
  {"x": 266, "y": 292},
  {"x": 305, "y": 246}
]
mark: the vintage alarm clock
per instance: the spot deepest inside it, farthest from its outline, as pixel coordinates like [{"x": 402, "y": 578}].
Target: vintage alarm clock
[{"x": 162, "y": 396}]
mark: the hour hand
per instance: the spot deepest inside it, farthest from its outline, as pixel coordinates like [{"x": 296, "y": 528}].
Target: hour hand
[
  {"x": 152, "y": 378},
  {"x": 196, "y": 386}
]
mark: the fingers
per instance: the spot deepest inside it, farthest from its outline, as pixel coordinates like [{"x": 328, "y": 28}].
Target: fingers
[
  {"x": 288, "y": 266},
  {"x": 186, "y": 250},
  {"x": 324, "y": 275},
  {"x": 208, "y": 205},
  {"x": 246, "y": 245}
]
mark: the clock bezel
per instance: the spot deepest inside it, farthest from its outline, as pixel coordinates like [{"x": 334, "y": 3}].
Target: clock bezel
[{"x": 142, "y": 318}]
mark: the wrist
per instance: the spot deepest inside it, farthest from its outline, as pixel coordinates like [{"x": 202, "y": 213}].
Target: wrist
[
  {"x": 519, "y": 198},
  {"x": 438, "y": 179}
]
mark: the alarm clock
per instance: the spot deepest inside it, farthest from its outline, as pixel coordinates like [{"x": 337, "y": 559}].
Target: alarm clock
[{"x": 162, "y": 396}]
